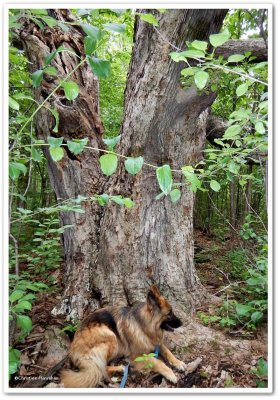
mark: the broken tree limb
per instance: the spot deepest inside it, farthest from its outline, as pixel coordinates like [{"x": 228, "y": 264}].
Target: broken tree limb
[{"x": 257, "y": 47}]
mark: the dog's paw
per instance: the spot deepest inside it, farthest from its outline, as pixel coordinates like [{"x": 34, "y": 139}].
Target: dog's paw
[
  {"x": 180, "y": 366},
  {"x": 171, "y": 377}
]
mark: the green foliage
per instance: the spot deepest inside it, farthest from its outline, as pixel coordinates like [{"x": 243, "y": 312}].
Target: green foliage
[
  {"x": 150, "y": 18},
  {"x": 147, "y": 359},
  {"x": 219, "y": 39},
  {"x": 248, "y": 309},
  {"x": 133, "y": 165},
  {"x": 164, "y": 178},
  {"x": 108, "y": 163},
  {"x": 76, "y": 146},
  {"x": 69, "y": 328},
  {"x": 71, "y": 89},
  {"x": 14, "y": 361},
  {"x": 261, "y": 372},
  {"x": 100, "y": 68},
  {"x": 175, "y": 195}
]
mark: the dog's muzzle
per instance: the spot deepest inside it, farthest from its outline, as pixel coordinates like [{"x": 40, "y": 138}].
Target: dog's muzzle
[{"x": 171, "y": 323}]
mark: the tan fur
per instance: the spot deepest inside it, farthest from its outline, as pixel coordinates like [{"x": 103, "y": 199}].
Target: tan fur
[{"x": 115, "y": 332}]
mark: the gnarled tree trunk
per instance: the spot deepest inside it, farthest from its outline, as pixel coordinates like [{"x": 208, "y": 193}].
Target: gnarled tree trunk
[{"x": 73, "y": 175}]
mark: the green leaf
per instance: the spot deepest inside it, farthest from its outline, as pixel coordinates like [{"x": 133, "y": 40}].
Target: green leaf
[
  {"x": 108, "y": 163},
  {"x": 56, "y": 117},
  {"x": 241, "y": 89},
  {"x": 232, "y": 131},
  {"x": 56, "y": 153},
  {"x": 71, "y": 89},
  {"x": 177, "y": 56},
  {"x": 215, "y": 185},
  {"x": 35, "y": 154},
  {"x": 22, "y": 306},
  {"x": 90, "y": 45},
  {"x": 111, "y": 142},
  {"x": 240, "y": 114},
  {"x": 50, "y": 71},
  {"x": 262, "y": 367},
  {"x": 256, "y": 316},
  {"x": 29, "y": 296},
  {"x": 148, "y": 18},
  {"x": 13, "y": 104},
  {"x": 164, "y": 177},
  {"x": 15, "y": 169},
  {"x": 76, "y": 146},
  {"x": 24, "y": 211},
  {"x": 103, "y": 199},
  {"x": 14, "y": 355},
  {"x": 235, "y": 58},
  {"x": 187, "y": 71},
  {"x": 116, "y": 28},
  {"x": 63, "y": 26},
  {"x": 50, "y": 57},
  {"x": 261, "y": 384},
  {"x": 118, "y": 200},
  {"x": 55, "y": 142},
  {"x": 24, "y": 323},
  {"x": 133, "y": 165},
  {"x": 175, "y": 195},
  {"x": 51, "y": 22},
  {"x": 233, "y": 167},
  {"x": 160, "y": 196},
  {"x": 191, "y": 178},
  {"x": 16, "y": 295},
  {"x": 100, "y": 68},
  {"x": 13, "y": 367},
  {"x": 186, "y": 54},
  {"x": 92, "y": 31},
  {"x": 200, "y": 79},
  {"x": 259, "y": 126},
  {"x": 37, "y": 77},
  {"x": 200, "y": 45},
  {"x": 128, "y": 202},
  {"x": 242, "y": 309},
  {"x": 139, "y": 359},
  {"x": 219, "y": 38}
]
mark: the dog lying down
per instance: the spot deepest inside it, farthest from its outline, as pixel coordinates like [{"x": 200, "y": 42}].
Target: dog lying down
[{"x": 115, "y": 332}]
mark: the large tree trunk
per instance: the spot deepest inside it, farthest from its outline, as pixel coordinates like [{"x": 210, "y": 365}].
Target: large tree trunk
[
  {"x": 164, "y": 124},
  {"x": 114, "y": 253},
  {"x": 73, "y": 175}
]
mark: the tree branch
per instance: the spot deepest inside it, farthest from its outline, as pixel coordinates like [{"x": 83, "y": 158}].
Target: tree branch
[{"x": 256, "y": 46}]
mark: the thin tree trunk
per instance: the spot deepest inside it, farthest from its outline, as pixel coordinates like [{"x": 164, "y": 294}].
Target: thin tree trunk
[
  {"x": 233, "y": 203},
  {"x": 248, "y": 200}
]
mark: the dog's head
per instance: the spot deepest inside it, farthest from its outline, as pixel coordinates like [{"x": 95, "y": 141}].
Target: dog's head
[{"x": 162, "y": 310}]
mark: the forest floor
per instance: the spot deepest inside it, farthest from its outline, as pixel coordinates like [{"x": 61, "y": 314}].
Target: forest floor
[{"x": 216, "y": 357}]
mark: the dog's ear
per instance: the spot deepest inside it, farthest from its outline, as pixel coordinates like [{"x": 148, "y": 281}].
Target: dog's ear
[
  {"x": 153, "y": 297},
  {"x": 155, "y": 290}
]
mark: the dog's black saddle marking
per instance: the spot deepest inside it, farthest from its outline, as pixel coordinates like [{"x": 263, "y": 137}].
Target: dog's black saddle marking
[{"x": 101, "y": 317}]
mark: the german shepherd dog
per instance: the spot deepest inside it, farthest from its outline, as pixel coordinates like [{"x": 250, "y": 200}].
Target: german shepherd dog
[{"x": 114, "y": 332}]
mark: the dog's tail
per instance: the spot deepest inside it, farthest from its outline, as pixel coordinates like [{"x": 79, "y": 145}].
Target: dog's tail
[{"x": 92, "y": 370}]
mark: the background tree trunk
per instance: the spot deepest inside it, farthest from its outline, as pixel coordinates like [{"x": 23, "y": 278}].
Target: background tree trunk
[{"x": 165, "y": 124}]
